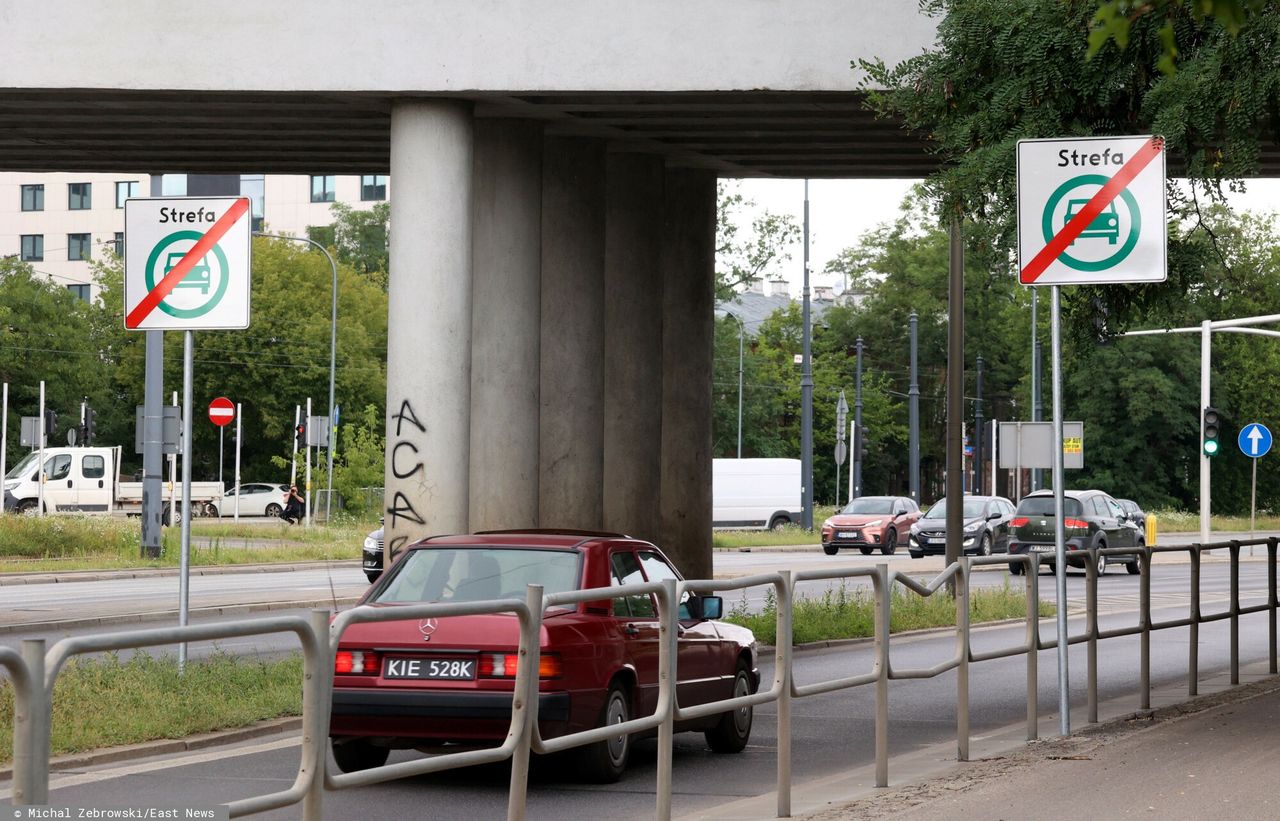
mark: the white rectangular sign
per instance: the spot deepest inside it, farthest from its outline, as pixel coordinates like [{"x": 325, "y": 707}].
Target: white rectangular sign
[
  {"x": 1091, "y": 211},
  {"x": 186, "y": 263}
]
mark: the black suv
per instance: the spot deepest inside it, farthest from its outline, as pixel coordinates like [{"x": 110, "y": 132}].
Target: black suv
[{"x": 1092, "y": 519}]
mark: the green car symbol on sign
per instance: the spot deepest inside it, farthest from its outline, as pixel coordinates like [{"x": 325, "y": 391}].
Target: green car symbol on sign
[
  {"x": 1106, "y": 224},
  {"x": 197, "y": 277}
]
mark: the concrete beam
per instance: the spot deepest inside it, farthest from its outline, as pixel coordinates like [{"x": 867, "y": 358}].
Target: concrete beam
[
  {"x": 505, "y": 332},
  {"x": 429, "y": 362},
  {"x": 633, "y": 344},
  {"x": 688, "y": 300},
  {"x": 571, "y": 434}
]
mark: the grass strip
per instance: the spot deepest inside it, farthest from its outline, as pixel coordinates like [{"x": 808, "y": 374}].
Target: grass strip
[
  {"x": 106, "y": 702},
  {"x": 842, "y": 613}
]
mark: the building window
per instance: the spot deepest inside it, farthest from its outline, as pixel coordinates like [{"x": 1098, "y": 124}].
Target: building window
[
  {"x": 373, "y": 187},
  {"x": 173, "y": 185},
  {"x": 79, "y": 196},
  {"x": 125, "y": 190},
  {"x": 33, "y": 247},
  {"x": 78, "y": 247},
  {"x": 33, "y": 198},
  {"x": 79, "y": 291},
  {"x": 117, "y": 244},
  {"x": 322, "y": 187}
]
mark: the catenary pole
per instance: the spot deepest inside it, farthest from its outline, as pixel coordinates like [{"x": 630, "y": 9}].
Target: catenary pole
[
  {"x": 859, "y": 440},
  {"x": 977, "y": 432},
  {"x": 955, "y": 397},
  {"x": 913, "y": 412},
  {"x": 806, "y": 389}
]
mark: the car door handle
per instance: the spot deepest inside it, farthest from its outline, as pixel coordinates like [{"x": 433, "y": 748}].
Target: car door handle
[
  {"x": 68, "y": 483},
  {"x": 631, "y": 630}
]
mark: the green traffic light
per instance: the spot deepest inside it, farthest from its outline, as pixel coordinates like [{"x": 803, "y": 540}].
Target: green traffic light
[{"x": 1211, "y": 447}]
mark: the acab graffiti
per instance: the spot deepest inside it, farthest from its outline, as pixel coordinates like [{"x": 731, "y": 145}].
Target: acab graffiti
[{"x": 405, "y": 463}]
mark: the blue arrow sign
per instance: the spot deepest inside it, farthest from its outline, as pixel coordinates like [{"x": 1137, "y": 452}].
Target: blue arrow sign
[{"x": 1254, "y": 440}]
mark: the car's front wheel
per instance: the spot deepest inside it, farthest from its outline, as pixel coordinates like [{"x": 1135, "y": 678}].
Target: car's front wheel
[
  {"x": 1016, "y": 568},
  {"x": 984, "y": 548},
  {"x": 730, "y": 735},
  {"x": 830, "y": 549},
  {"x": 1101, "y": 564},
  {"x": 890, "y": 543},
  {"x": 604, "y": 761},
  {"x": 354, "y": 754},
  {"x": 865, "y": 551}
]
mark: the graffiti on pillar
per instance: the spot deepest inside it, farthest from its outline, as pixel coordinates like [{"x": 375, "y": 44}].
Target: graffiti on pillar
[{"x": 405, "y": 465}]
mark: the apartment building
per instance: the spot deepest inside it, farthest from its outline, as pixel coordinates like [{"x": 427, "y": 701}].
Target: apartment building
[{"x": 59, "y": 222}]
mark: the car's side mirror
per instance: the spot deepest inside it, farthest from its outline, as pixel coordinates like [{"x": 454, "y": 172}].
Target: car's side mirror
[
  {"x": 704, "y": 607},
  {"x": 996, "y": 515}
]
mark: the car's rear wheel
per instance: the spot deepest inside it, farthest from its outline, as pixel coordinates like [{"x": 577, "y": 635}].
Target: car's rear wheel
[
  {"x": 730, "y": 735},
  {"x": 890, "y": 543},
  {"x": 1016, "y": 568},
  {"x": 274, "y": 510},
  {"x": 1135, "y": 567},
  {"x": 211, "y": 510},
  {"x": 605, "y": 761},
  {"x": 830, "y": 549},
  {"x": 779, "y": 522},
  {"x": 354, "y": 754}
]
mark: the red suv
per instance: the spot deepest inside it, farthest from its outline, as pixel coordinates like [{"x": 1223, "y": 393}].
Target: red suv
[{"x": 424, "y": 683}]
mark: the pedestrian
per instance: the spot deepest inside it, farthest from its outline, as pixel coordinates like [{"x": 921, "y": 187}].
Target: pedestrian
[{"x": 294, "y": 506}]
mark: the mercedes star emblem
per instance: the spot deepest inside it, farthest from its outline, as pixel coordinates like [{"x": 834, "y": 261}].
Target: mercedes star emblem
[{"x": 426, "y": 627}]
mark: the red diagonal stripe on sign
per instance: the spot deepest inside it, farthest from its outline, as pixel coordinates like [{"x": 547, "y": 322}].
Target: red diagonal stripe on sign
[
  {"x": 165, "y": 286},
  {"x": 1149, "y": 151}
]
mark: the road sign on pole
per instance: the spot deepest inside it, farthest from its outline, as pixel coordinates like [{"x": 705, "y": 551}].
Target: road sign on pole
[
  {"x": 222, "y": 411},
  {"x": 1091, "y": 210},
  {"x": 186, "y": 264},
  {"x": 1254, "y": 440}
]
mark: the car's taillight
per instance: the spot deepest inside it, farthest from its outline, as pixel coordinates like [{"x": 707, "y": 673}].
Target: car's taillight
[
  {"x": 503, "y": 665},
  {"x": 1077, "y": 523},
  {"x": 1020, "y": 521},
  {"x": 356, "y": 663}
]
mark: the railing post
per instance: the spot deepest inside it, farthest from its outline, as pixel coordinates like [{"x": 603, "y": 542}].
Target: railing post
[
  {"x": 1091, "y": 628},
  {"x": 666, "y": 730},
  {"x": 38, "y": 730},
  {"x": 526, "y": 691},
  {"x": 1271, "y": 598},
  {"x": 1144, "y": 618},
  {"x": 1032, "y": 575},
  {"x": 1193, "y": 650},
  {"x": 1235, "y": 611},
  {"x": 782, "y": 669},
  {"x": 317, "y": 691},
  {"x": 882, "y": 594},
  {"x": 962, "y": 671}
]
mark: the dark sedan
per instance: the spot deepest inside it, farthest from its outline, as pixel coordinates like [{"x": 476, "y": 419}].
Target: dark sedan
[
  {"x": 371, "y": 555},
  {"x": 986, "y": 528},
  {"x": 1135, "y": 513},
  {"x": 1091, "y": 519}
]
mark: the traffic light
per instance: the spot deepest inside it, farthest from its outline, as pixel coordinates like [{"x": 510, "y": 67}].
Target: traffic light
[
  {"x": 860, "y": 442},
  {"x": 50, "y": 422},
  {"x": 1212, "y": 430},
  {"x": 300, "y": 433},
  {"x": 90, "y": 425}
]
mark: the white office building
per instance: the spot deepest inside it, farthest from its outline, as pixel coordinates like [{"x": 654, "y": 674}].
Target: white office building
[{"x": 58, "y": 222}]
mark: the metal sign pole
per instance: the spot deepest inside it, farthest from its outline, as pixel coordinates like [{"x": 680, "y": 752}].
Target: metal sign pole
[
  {"x": 173, "y": 477},
  {"x": 184, "y": 584},
  {"x": 221, "y": 452},
  {"x": 238, "y": 438},
  {"x": 1205, "y": 501},
  {"x": 4, "y": 428},
  {"x": 306, "y": 496},
  {"x": 1059, "y": 534},
  {"x": 1253, "y": 502}
]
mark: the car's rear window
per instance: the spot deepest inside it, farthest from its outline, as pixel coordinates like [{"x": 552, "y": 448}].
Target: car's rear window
[
  {"x": 469, "y": 574},
  {"x": 1043, "y": 506}
]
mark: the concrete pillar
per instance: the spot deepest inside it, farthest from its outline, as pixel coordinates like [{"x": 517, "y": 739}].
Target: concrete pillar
[
  {"x": 633, "y": 344},
  {"x": 571, "y": 433},
  {"x": 688, "y": 309},
  {"x": 505, "y": 333},
  {"x": 429, "y": 343}
]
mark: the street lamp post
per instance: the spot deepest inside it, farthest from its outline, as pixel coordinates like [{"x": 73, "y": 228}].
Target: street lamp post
[{"x": 333, "y": 359}]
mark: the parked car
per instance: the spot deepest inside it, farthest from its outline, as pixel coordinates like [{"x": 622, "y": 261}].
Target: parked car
[
  {"x": 754, "y": 494},
  {"x": 1136, "y": 514},
  {"x": 868, "y": 523},
  {"x": 986, "y": 528},
  {"x": 423, "y": 683},
  {"x": 1091, "y": 518},
  {"x": 371, "y": 555},
  {"x": 256, "y": 499}
]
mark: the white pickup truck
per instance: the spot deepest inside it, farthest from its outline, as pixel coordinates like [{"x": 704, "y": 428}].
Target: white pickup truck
[{"x": 87, "y": 480}]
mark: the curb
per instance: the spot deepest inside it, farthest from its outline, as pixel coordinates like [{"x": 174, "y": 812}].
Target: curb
[
  {"x": 162, "y": 615},
  {"x": 167, "y": 746},
  {"x": 159, "y": 572}
]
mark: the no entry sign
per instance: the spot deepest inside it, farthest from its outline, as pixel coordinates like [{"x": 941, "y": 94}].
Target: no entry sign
[
  {"x": 186, "y": 263},
  {"x": 1091, "y": 210},
  {"x": 222, "y": 411}
]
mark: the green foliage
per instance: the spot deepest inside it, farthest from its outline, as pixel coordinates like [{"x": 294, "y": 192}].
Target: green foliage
[
  {"x": 362, "y": 239},
  {"x": 1114, "y": 19},
  {"x": 742, "y": 258},
  {"x": 363, "y": 448},
  {"x": 145, "y": 698}
]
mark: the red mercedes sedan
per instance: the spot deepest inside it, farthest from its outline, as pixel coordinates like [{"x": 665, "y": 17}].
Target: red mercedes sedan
[{"x": 428, "y": 683}]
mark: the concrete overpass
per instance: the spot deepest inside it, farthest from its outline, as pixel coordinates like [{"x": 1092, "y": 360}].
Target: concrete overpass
[{"x": 555, "y": 161}]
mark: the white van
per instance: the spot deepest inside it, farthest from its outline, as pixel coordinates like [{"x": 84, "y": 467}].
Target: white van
[{"x": 755, "y": 493}]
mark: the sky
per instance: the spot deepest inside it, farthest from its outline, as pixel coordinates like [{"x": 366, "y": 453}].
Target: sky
[{"x": 841, "y": 211}]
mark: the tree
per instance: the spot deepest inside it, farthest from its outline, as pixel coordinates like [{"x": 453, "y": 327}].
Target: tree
[
  {"x": 362, "y": 239},
  {"x": 744, "y": 256},
  {"x": 1114, "y": 19}
]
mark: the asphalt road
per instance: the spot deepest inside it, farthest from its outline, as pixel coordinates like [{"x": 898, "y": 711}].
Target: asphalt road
[{"x": 832, "y": 734}]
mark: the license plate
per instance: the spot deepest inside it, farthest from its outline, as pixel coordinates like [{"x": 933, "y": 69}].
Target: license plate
[
  {"x": 1042, "y": 548},
  {"x": 428, "y": 668},
  {"x": 847, "y": 534}
]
